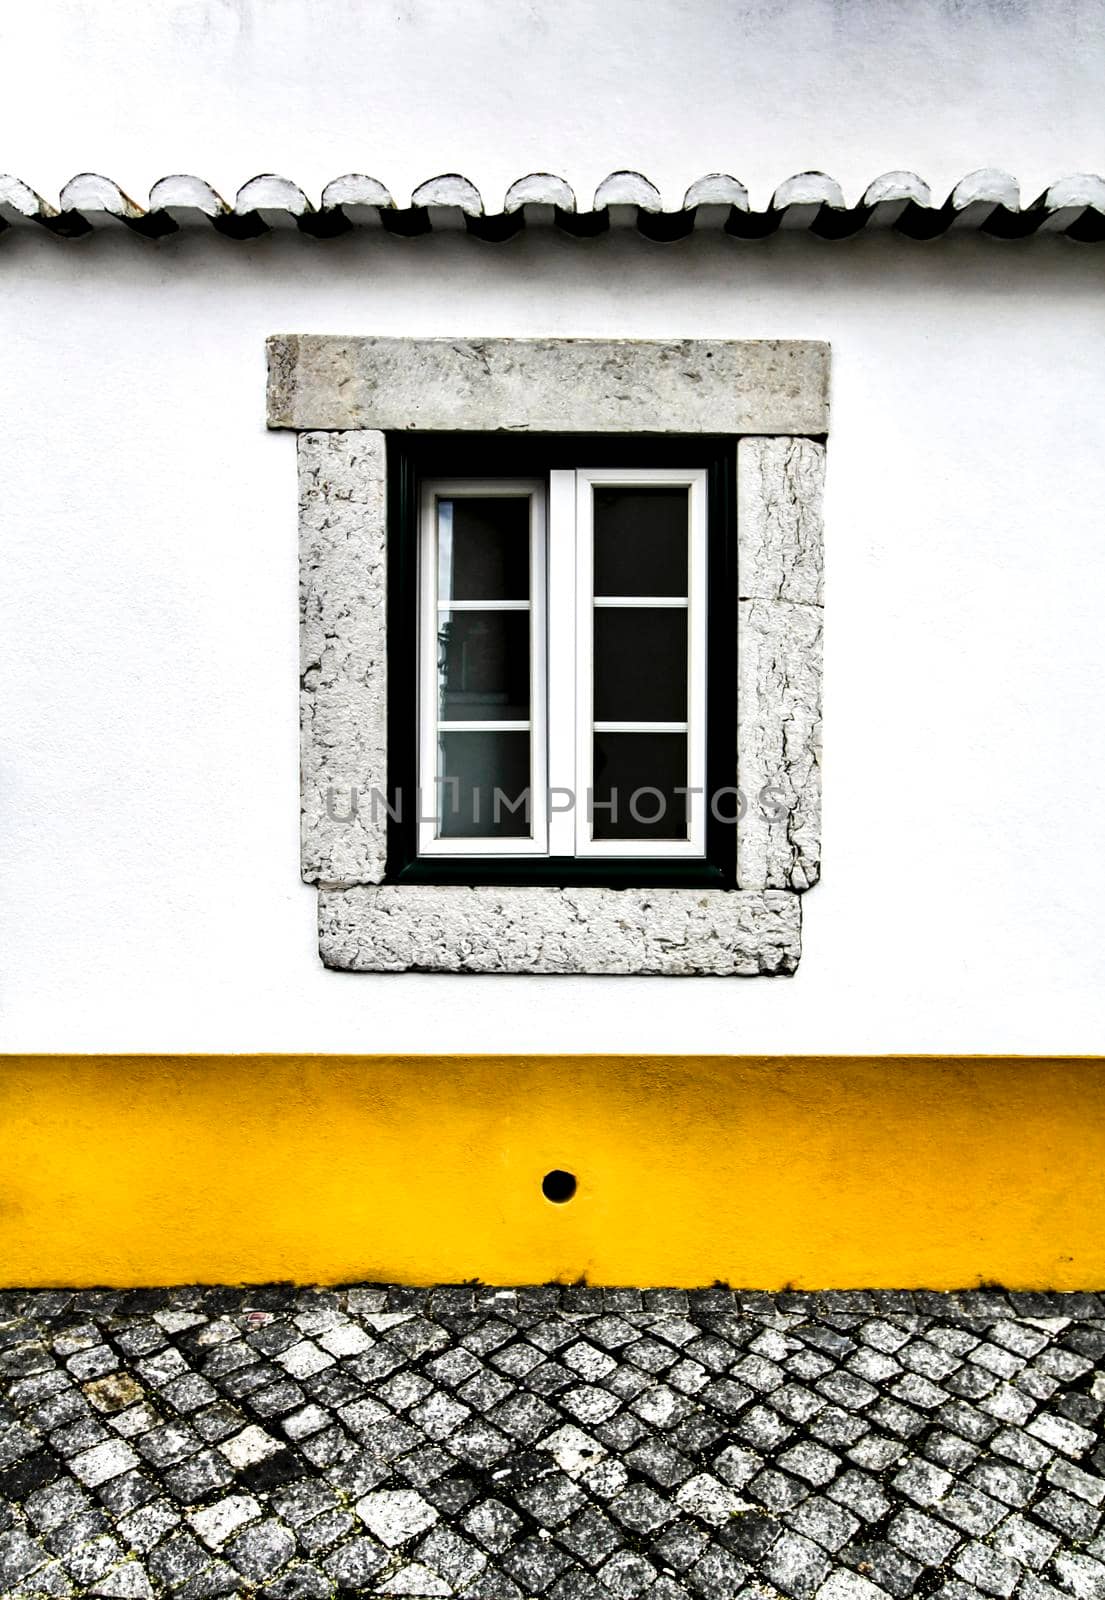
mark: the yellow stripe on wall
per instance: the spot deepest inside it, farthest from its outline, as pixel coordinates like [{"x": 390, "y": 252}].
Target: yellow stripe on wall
[{"x": 757, "y": 1171}]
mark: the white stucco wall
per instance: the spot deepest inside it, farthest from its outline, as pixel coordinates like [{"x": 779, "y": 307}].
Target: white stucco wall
[
  {"x": 499, "y": 88},
  {"x": 148, "y": 650}
]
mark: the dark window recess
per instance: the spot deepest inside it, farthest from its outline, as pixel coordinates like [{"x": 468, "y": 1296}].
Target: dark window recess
[
  {"x": 487, "y": 556},
  {"x": 485, "y": 782},
  {"x": 641, "y": 540},
  {"x": 483, "y": 659},
  {"x": 636, "y": 778},
  {"x": 640, "y": 664},
  {"x": 640, "y": 655}
]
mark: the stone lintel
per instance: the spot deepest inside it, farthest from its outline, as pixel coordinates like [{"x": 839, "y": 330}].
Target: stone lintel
[{"x": 690, "y": 386}]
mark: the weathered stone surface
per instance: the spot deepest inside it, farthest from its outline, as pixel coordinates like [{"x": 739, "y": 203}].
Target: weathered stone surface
[
  {"x": 779, "y": 574},
  {"x": 780, "y": 487},
  {"x": 343, "y": 655},
  {"x": 779, "y": 744},
  {"x": 549, "y": 385},
  {"x": 674, "y": 932}
]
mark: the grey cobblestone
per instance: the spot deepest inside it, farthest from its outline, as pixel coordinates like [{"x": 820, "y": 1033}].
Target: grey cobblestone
[{"x": 573, "y": 1444}]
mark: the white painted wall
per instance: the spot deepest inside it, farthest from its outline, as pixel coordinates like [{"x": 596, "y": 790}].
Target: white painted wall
[
  {"x": 148, "y": 653},
  {"x": 497, "y": 88}
]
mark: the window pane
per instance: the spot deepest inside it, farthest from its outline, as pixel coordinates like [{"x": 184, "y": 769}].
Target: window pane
[
  {"x": 641, "y": 541},
  {"x": 485, "y": 789},
  {"x": 639, "y": 772},
  {"x": 640, "y": 664},
  {"x": 483, "y": 657},
  {"x": 483, "y": 547}
]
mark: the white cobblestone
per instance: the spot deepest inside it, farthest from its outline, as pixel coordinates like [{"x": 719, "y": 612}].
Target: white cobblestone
[
  {"x": 104, "y": 1461},
  {"x": 216, "y": 1523},
  {"x": 396, "y": 1515},
  {"x": 303, "y": 1360},
  {"x": 253, "y": 1444}
]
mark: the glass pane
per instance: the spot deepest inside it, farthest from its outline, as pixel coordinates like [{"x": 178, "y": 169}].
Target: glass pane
[
  {"x": 639, "y": 773},
  {"x": 641, "y": 541},
  {"x": 484, "y": 793},
  {"x": 640, "y": 664},
  {"x": 483, "y": 548},
  {"x": 483, "y": 658}
]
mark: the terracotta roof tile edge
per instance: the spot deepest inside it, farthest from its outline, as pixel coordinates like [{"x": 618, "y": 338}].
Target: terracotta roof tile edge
[{"x": 987, "y": 201}]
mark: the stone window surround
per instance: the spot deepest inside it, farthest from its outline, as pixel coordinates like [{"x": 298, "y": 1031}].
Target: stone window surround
[{"x": 342, "y": 395}]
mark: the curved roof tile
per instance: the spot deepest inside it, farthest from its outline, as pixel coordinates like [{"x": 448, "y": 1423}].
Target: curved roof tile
[{"x": 985, "y": 201}]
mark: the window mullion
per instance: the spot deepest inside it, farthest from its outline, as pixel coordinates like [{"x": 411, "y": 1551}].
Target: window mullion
[
  {"x": 562, "y": 661},
  {"x": 539, "y": 686},
  {"x": 583, "y": 615},
  {"x": 426, "y": 788}
]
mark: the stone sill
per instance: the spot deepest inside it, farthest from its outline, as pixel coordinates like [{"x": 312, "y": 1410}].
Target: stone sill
[{"x": 653, "y": 932}]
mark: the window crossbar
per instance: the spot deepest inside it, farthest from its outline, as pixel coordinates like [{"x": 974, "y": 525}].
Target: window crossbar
[{"x": 629, "y": 601}]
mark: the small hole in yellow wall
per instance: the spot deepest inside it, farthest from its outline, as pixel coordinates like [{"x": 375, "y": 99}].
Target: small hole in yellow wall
[{"x": 558, "y": 1186}]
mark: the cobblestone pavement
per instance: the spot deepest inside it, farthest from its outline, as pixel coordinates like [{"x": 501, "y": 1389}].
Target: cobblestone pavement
[{"x": 566, "y": 1443}]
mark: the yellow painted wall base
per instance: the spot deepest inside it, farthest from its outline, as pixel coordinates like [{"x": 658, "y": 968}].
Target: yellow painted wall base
[{"x": 756, "y": 1171}]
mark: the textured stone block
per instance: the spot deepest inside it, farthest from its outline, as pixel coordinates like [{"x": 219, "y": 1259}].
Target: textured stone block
[
  {"x": 780, "y": 489},
  {"x": 549, "y": 385},
  {"x": 780, "y": 485},
  {"x": 779, "y": 744},
  {"x": 343, "y": 656},
  {"x": 675, "y": 932}
]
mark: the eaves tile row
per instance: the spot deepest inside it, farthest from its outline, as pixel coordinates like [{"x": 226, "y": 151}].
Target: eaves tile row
[{"x": 986, "y": 201}]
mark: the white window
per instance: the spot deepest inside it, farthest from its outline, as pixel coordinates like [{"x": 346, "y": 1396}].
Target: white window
[
  {"x": 562, "y": 665},
  {"x": 482, "y": 668}
]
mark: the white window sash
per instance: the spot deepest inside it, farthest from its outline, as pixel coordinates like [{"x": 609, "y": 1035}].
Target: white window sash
[
  {"x": 562, "y": 605},
  {"x": 563, "y": 796},
  {"x": 429, "y": 792},
  {"x": 694, "y": 845}
]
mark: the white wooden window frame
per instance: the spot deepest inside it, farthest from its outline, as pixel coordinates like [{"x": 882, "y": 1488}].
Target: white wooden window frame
[
  {"x": 342, "y": 395},
  {"x": 561, "y": 606},
  {"x": 579, "y": 650},
  {"x": 431, "y": 606}
]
